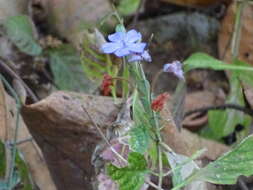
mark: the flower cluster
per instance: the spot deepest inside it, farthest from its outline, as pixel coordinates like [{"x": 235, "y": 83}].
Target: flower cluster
[
  {"x": 127, "y": 44},
  {"x": 106, "y": 85},
  {"x": 159, "y": 102}
]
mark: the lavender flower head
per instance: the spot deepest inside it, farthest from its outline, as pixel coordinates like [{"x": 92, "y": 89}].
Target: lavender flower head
[
  {"x": 124, "y": 44},
  {"x": 176, "y": 68},
  {"x": 140, "y": 56}
]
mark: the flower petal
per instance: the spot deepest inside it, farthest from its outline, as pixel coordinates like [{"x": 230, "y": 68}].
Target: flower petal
[
  {"x": 132, "y": 36},
  {"x": 134, "y": 58},
  {"x": 176, "y": 68},
  {"x": 146, "y": 56},
  {"x": 111, "y": 47},
  {"x": 117, "y": 36},
  {"x": 136, "y": 47},
  {"x": 122, "y": 52}
]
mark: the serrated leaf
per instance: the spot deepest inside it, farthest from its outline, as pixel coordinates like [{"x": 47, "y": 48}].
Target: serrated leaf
[
  {"x": 131, "y": 177},
  {"x": 127, "y": 7},
  {"x": 20, "y": 31},
  {"x": 229, "y": 167},
  {"x": 222, "y": 123},
  {"x": 204, "y": 61},
  {"x": 67, "y": 70}
]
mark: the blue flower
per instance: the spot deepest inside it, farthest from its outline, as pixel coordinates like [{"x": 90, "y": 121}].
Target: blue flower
[
  {"x": 176, "y": 68},
  {"x": 124, "y": 43},
  {"x": 140, "y": 56}
]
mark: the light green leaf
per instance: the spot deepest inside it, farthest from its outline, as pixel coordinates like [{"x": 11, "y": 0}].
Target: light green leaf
[
  {"x": 67, "y": 70},
  {"x": 20, "y": 31},
  {"x": 139, "y": 139},
  {"x": 245, "y": 76},
  {"x": 204, "y": 61},
  {"x": 222, "y": 123},
  {"x": 120, "y": 28},
  {"x": 127, "y": 7},
  {"x": 131, "y": 177},
  {"x": 229, "y": 167}
]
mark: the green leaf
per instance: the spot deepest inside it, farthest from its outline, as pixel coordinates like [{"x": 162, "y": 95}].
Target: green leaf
[
  {"x": 20, "y": 31},
  {"x": 120, "y": 28},
  {"x": 204, "y": 61},
  {"x": 67, "y": 70},
  {"x": 127, "y": 7},
  {"x": 222, "y": 123},
  {"x": 140, "y": 133},
  {"x": 245, "y": 76},
  {"x": 131, "y": 177},
  {"x": 229, "y": 167},
  {"x": 139, "y": 139}
]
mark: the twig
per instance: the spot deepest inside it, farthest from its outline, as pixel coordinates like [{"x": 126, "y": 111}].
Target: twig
[
  {"x": 14, "y": 75},
  {"x": 137, "y": 14},
  {"x": 221, "y": 107},
  {"x": 103, "y": 136}
]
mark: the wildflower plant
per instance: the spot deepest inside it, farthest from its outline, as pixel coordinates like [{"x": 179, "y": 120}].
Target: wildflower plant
[{"x": 138, "y": 151}]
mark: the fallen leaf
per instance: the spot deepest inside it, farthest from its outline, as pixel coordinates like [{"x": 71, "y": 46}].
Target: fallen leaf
[{"x": 29, "y": 149}]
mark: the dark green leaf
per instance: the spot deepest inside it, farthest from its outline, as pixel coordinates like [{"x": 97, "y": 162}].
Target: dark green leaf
[
  {"x": 68, "y": 74},
  {"x": 20, "y": 30},
  {"x": 131, "y": 177}
]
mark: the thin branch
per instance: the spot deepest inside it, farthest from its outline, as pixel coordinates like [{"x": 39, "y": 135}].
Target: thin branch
[
  {"x": 6, "y": 68},
  {"x": 103, "y": 136},
  {"x": 247, "y": 111}
]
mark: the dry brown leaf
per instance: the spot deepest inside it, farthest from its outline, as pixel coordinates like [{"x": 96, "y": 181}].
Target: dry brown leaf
[
  {"x": 12, "y": 8},
  {"x": 187, "y": 143},
  {"x": 246, "y": 44},
  {"x": 30, "y": 151},
  {"x": 66, "y": 135},
  {"x": 67, "y": 18},
  {"x": 194, "y": 101},
  {"x": 196, "y": 3}
]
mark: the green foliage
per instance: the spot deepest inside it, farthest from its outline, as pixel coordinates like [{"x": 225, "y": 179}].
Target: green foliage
[
  {"x": 229, "y": 167},
  {"x": 23, "y": 173},
  {"x": 131, "y": 177},
  {"x": 140, "y": 139},
  {"x": 127, "y": 7},
  {"x": 20, "y": 30},
  {"x": 67, "y": 70},
  {"x": 15, "y": 181},
  {"x": 204, "y": 61},
  {"x": 222, "y": 123}
]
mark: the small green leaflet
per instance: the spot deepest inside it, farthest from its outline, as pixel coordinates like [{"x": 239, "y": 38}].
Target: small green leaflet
[
  {"x": 204, "y": 61},
  {"x": 20, "y": 31},
  {"x": 128, "y": 7},
  {"x": 228, "y": 167},
  {"x": 131, "y": 177},
  {"x": 67, "y": 70}
]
